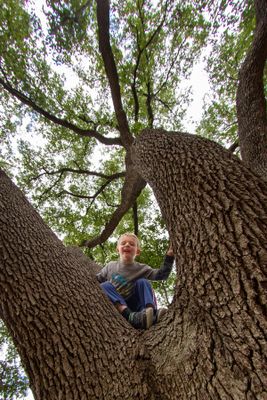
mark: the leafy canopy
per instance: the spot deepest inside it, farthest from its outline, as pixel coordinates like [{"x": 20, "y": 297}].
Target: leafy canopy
[{"x": 58, "y": 92}]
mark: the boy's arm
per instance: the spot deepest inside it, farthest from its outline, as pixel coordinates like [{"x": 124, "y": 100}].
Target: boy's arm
[
  {"x": 164, "y": 271},
  {"x": 102, "y": 275}
]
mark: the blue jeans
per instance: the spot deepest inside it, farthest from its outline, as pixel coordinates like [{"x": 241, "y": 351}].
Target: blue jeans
[{"x": 141, "y": 297}]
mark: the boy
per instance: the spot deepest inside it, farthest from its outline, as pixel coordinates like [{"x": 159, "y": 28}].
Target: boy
[{"x": 126, "y": 285}]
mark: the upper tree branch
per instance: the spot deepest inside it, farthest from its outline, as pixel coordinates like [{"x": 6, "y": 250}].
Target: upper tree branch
[
  {"x": 111, "y": 71},
  {"x": 141, "y": 50},
  {"x": 87, "y": 197},
  {"x": 61, "y": 171},
  {"x": 81, "y": 171},
  {"x": 250, "y": 101},
  {"x": 172, "y": 62},
  {"x": 135, "y": 218},
  {"x": 149, "y": 105},
  {"x": 62, "y": 122}
]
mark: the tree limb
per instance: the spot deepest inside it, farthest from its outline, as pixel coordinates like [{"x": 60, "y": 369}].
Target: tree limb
[
  {"x": 61, "y": 122},
  {"x": 250, "y": 100},
  {"x": 149, "y": 105},
  {"x": 89, "y": 197},
  {"x": 111, "y": 71},
  {"x": 133, "y": 185},
  {"x": 80, "y": 196},
  {"x": 172, "y": 63},
  {"x": 140, "y": 52},
  {"x": 46, "y": 191},
  {"x": 135, "y": 218},
  {"x": 80, "y": 171},
  {"x": 109, "y": 179}
]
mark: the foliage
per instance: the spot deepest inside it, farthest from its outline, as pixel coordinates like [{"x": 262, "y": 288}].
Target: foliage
[
  {"x": 229, "y": 47},
  {"x": 13, "y": 381},
  {"x": 154, "y": 45}
]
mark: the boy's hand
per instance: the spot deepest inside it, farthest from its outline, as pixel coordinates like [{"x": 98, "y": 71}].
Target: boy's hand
[{"x": 170, "y": 251}]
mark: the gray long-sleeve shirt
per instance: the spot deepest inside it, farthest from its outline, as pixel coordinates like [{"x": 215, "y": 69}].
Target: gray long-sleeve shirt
[{"x": 123, "y": 276}]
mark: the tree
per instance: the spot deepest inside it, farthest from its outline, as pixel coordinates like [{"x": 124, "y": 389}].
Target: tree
[
  {"x": 211, "y": 344},
  {"x": 228, "y": 49},
  {"x": 251, "y": 98},
  {"x": 145, "y": 52}
]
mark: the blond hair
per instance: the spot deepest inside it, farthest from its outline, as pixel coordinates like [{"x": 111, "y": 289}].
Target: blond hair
[{"x": 131, "y": 235}]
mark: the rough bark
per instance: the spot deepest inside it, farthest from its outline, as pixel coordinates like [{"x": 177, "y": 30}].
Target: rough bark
[
  {"x": 72, "y": 342},
  {"x": 251, "y": 102},
  {"x": 212, "y": 342}
]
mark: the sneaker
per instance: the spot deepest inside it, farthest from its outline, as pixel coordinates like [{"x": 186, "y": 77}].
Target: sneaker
[
  {"x": 159, "y": 314},
  {"x": 142, "y": 319}
]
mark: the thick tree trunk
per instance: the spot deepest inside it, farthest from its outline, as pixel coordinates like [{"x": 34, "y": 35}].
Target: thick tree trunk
[
  {"x": 216, "y": 329},
  {"x": 72, "y": 342},
  {"x": 212, "y": 342},
  {"x": 250, "y": 99}
]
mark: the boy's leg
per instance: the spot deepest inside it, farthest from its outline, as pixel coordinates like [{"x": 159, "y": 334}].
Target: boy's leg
[
  {"x": 113, "y": 295},
  {"x": 143, "y": 296},
  {"x": 142, "y": 302},
  {"x": 139, "y": 320}
]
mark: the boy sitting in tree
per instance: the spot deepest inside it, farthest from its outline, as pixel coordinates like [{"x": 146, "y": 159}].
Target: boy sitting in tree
[{"x": 126, "y": 283}]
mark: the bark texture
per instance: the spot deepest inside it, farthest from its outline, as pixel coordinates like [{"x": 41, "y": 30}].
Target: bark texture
[
  {"x": 72, "y": 342},
  {"x": 250, "y": 101},
  {"x": 214, "y": 344}
]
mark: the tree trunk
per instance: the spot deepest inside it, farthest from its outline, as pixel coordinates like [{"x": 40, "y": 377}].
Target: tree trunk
[
  {"x": 215, "y": 336},
  {"x": 72, "y": 342},
  {"x": 212, "y": 342}
]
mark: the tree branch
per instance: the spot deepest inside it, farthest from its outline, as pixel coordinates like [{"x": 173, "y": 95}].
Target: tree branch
[
  {"x": 133, "y": 185},
  {"x": 61, "y": 122},
  {"x": 250, "y": 100},
  {"x": 111, "y": 71},
  {"x": 46, "y": 191},
  {"x": 109, "y": 179},
  {"x": 135, "y": 218},
  {"x": 164, "y": 103},
  {"x": 80, "y": 171},
  {"x": 140, "y": 52},
  {"x": 172, "y": 63},
  {"x": 149, "y": 105},
  {"x": 80, "y": 196}
]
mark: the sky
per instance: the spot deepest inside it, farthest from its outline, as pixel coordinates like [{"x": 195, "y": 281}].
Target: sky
[{"x": 200, "y": 87}]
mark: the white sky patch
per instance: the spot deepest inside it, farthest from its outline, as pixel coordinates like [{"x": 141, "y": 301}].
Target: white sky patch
[{"x": 200, "y": 87}]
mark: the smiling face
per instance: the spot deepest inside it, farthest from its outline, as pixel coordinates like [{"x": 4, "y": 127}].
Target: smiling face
[{"x": 128, "y": 248}]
